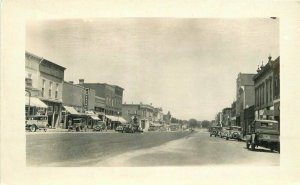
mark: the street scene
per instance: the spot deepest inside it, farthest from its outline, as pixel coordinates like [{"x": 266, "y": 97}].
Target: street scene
[{"x": 152, "y": 92}]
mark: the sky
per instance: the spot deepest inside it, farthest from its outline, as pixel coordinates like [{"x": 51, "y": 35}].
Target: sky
[{"x": 186, "y": 66}]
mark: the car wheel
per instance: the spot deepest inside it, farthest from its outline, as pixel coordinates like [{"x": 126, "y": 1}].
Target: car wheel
[
  {"x": 32, "y": 128},
  {"x": 45, "y": 130},
  {"x": 215, "y": 135},
  {"x": 252, "y": 147},
  {"x": 227, "y": 138}
]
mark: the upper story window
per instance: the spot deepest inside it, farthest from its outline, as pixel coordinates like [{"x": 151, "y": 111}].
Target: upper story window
[
  {"x": 56, "y": 91},
  {"x": 43, "y": 88},
  {"x": 50, "y": 89}
]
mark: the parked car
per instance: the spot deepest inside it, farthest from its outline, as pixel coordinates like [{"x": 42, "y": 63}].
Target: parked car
[
  {"x": 132, "y": 128},
  {"x": 224, "y": 132},
  {"x": 99, "y": 126},
  {"x": 77, "y": 125},
  {"x": 234, "y": 132},
  {"x": 214, "y": 130},
  {"x": 264, "y": 133},
  {"x": 34, "y": 123}
]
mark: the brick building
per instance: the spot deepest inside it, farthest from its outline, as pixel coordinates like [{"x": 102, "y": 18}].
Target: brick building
[
  {"x": 111, "y": 94},
  {"x": 266, "y": 82}
]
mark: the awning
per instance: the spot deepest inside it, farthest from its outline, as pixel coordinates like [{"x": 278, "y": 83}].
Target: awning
[
  {"x": 94, "y": 117},
  {"x": 71, "y": 110},
  {"x": 114, "y": 118},
  {"x": 35, "y": 102},
  {"x": 122, "y": 120}
]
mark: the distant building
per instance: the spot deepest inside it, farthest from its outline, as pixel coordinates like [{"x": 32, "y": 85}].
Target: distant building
[
  {"x": 267, "y": 90},
  {"x": 111, "y": 94},
  {"x": 226, "y": 117},
  {"x": 244, "y": 96},
  {"x": 143, "y": 113},
  {"x": 233, "y": 114},
  {"x": 47, "y": 84},
  {"x": 73, "y": 96},
  {"x": 158, "y": 116},
  {"x": 167, "y": 118}
]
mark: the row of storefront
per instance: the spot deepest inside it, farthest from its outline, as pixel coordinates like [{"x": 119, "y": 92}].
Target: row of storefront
[{"x": 257, "y": 97}]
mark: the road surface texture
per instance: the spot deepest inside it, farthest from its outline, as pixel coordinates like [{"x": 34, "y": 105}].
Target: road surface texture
[{"x": 146, "y": 149}]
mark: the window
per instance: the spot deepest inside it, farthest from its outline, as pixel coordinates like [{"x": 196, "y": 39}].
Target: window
[
  {"x": 43, "y": 88},
  {"x": 56, "y": 91},
  {"x": 50, "y": 89},
  {"x": 267, "y": 89}
]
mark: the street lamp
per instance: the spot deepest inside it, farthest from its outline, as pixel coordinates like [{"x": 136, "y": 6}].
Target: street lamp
[{"x": 28, "y": 113}]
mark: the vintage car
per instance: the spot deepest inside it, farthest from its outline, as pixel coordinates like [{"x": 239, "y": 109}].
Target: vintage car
[
  {"x": 214, "y": 130},
  {"x": 77, "y": 125},
  {"x": 234, "y": 132},
  {"x": 34, "y": 123},
  {"x": 224, "y": 132},
  {"x": 264, "y": 133},
  {"x": 99, "y": 126},
  {"x": 132, "y": 128}
]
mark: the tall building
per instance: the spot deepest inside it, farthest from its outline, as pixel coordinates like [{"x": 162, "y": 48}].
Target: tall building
[
  {"x": 244, "y": 97},
  {"x": 112, "y": 94},
  {"x": 46, "y": 79},
  {"x": 143, "y": 113},
  {"x": 267, "y": 90}
]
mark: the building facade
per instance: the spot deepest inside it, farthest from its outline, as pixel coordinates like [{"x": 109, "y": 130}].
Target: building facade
[
  {"x": 143, "y": 113},
  {"x": 244, "y": 97},
  {"x": 112, "y": 94},
  {"x": 167, "y": 118},
  {"x": 233, "y": 114},
  {"x": 33, "y": 104},
  {"x": 226, "y": 117},
  {"x": 158, "y": 116},
  {"x": 73, "y": 96},
  {"x": 50, "y": 78},
  {"x": 266, "y": 81}
]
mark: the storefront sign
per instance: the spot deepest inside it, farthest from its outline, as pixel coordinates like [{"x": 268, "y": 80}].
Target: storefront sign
[{"x": 86, "y": 99}]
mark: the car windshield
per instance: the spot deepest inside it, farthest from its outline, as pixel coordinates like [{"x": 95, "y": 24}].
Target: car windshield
[{"x": 235, "y": 128}]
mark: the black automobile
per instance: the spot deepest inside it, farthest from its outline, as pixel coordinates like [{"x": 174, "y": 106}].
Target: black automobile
[
  {"x": 214, "y": 131},
  {"x": 99, "y": 126},
  {"x": 264, "y": 133}
]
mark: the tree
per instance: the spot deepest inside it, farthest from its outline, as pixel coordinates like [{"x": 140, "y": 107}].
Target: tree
[
  {"x": 205, "y": 124},
  {"x": 192, "y": 123}
]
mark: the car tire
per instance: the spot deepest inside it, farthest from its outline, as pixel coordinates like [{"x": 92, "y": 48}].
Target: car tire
[
  {"x": 45, "y": 130},
  {"x": 227, "y": 138},
  {"x": 32, "y": 128}
]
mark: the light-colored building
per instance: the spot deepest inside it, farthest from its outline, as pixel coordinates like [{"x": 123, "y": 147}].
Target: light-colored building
[
  {"x": 48, "y": 81},
  {"x": 143, "y": 113}
]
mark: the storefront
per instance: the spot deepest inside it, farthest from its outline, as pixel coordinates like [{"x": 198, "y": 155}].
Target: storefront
[
  {"x": 113, "y": 122},
  {"x": 34, "y": 106}
]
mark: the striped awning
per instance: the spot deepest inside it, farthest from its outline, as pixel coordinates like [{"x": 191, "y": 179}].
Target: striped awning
[
  {"x": 34, "y": 102},
  {"x": 70, "y": 110}
]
